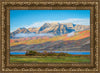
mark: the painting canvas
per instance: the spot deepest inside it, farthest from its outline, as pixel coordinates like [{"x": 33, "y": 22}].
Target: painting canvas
[{"x": 49, "y": 36}]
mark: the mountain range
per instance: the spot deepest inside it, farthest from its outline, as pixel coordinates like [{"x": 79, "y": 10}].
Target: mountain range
[{"x": 52, "y": 28}]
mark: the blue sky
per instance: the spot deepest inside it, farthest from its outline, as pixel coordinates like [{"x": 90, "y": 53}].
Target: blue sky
[{"x": 36, "y": 18}]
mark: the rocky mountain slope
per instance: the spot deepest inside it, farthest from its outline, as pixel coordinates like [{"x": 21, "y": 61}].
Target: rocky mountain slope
[{"x": 52, "y": 28}]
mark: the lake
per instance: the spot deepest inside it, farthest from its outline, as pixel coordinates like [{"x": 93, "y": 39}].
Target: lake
[{"x": 69, "y": 52}]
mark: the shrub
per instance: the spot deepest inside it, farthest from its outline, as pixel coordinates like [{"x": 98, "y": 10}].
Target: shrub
[{"x": 45, "y": 53}]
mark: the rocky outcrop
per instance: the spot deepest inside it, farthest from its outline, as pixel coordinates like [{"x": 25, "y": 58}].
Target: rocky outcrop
[{"x": 54, "y": 28}]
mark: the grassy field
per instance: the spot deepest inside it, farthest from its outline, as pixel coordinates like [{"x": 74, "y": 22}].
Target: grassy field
[{"x": 49, "y": 59}]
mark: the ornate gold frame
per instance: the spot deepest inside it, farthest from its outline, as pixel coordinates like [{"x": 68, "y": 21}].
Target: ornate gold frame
[{"x": 46, "y": 67}]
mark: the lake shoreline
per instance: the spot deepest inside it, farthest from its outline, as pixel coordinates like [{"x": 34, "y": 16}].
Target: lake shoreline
[{"x": 69, "y": 52}]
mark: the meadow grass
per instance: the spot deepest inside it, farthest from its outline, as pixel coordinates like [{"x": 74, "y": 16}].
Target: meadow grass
[{"x": 49, "y": 59}]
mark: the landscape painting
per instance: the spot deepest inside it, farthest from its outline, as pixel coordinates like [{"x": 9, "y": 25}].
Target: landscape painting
[{"x": 50, "y": 36}]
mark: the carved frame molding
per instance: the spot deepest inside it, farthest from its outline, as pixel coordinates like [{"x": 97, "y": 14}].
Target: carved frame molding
[{"x": 48, "y": 67}]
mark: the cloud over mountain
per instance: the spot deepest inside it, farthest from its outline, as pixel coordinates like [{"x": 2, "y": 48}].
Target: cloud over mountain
[
  {"x": 70, "y": 34},
  {"x": 32, "y": 35},
  {"x": 73, "y": 20}
]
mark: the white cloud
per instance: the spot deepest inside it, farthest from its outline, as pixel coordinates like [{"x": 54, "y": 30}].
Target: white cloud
[
  {"x": 70, "y": 34},
  {"x": 73, "y": 20},
  {"x": 33, "y": 34}
]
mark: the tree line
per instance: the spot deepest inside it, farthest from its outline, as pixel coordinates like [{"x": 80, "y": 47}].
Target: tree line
[{"x": 45, "y": 53}]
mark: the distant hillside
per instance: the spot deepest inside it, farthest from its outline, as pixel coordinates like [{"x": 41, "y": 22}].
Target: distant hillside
[
  {"x": 79, "y": 41},
  {"x": 52, "y": 28}
]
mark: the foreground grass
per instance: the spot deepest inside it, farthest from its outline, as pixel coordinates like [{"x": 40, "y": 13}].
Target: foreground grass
[{"x": 48, "y": 59}]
